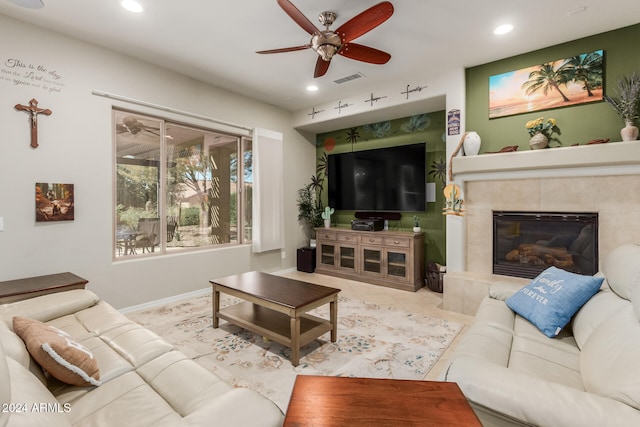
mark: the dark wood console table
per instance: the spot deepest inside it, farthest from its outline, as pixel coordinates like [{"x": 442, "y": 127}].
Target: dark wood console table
[{"x": 21, "y": 289}]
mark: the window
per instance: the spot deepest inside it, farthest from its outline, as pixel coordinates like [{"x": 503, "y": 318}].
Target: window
[{"x": 178, "y": 187}]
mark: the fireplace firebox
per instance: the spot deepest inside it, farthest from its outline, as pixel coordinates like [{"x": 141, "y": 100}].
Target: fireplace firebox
[{"x": 526, "y": 243}]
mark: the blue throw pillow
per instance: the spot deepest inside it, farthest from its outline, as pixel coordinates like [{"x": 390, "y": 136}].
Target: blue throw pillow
[{"x": 552, "y": 298}]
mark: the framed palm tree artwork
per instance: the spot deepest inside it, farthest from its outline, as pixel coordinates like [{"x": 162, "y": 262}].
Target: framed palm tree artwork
[{"x": 554, "y": 84}]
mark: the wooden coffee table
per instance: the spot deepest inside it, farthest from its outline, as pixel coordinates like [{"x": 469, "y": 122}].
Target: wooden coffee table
[
  {"x": 342, "y": 401},
  {"x": 276, "y": 308}
]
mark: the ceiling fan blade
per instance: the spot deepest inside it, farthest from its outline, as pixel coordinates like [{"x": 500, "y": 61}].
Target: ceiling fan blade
[
  {"x": 364, "y": 53},
  {"x": 365, "y": 21},
  {"x": 298, "y": 17},
  {"x": 285, "y": 49},
  {"x": 321, "y": 67}
]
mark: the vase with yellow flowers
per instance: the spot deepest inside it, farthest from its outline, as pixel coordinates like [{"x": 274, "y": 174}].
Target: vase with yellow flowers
[{"x": 541, "y": 132}]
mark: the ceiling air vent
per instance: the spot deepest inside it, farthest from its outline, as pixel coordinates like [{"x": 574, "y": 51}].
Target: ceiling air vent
[{"x": 348, "y": 78}]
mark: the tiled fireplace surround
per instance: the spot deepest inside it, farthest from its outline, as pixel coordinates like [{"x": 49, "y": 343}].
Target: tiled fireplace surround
[{"x": 603, "y": 178}]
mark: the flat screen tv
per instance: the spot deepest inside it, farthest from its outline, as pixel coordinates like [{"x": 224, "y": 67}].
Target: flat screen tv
[{"x": 384, "y": 179}]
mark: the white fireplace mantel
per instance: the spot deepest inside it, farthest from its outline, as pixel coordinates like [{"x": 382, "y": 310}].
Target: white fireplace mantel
[
  {"x": 495, "y": 181},
  {"x": 613, "y": 158}
]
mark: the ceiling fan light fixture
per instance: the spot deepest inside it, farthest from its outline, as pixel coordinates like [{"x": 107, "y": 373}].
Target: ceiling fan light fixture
[
  {"x": 326, "y": 51},
  {"x": 29, "y": 4},
  {"x": 132, "y": 6},
  {"x": 328, "y": 43}
]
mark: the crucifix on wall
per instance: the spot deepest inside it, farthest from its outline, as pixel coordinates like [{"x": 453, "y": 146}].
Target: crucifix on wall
[{"x": 33, "y": 111}]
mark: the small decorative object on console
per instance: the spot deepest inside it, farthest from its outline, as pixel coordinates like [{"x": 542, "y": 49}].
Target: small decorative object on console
[
  {"x": 416, "y": 224},
  {"x": 541, "y": 132},
  {"x": 326, "y": 215},
  {"x": 367, "y": 224}
]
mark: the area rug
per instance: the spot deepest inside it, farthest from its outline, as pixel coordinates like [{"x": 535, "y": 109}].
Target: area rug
[{"x": 374, "y": 341}]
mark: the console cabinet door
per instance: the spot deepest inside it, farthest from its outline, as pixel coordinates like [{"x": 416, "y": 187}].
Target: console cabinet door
[
  {"x": 337, "y": 256},
  {"x": 326, "y": 254},
  {"x": 347, "y": 258},
  {"x": 372, "y": 261},
  {"x": 398, "y": 265},
  {"x": 386, "y": 263}
]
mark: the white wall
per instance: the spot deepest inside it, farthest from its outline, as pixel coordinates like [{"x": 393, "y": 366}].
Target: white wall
[
  {"x": 456, "y": 100},
  {"x": 76, "y": 147}
]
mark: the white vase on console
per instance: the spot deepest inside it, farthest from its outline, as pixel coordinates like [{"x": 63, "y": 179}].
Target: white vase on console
[{"x": 471, "y": 144}]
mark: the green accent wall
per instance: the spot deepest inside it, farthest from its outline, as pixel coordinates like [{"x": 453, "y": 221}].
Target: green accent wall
[
  {"x": 579, "y": 123},
  {"x": 429, "y": 128}
]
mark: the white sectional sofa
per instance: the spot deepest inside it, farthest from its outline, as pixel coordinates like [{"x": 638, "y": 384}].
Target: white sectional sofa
[
  {"x": 143, "y": 380},
  {"x": 588, "y": 375}
]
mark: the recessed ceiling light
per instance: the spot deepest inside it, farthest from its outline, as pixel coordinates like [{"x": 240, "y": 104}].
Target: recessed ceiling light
[
  {"x": 576, "y": 10},
  {"x": 131, "y": 6},
  {"x": 31, "y": 4},
  {"x": 312, "y": 88},
  {"x": 503, "y": 29}
]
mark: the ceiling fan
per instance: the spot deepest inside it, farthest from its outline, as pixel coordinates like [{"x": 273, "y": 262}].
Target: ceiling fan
[
  {"x": 328, "y": 43},
  {"x": 134, "y": 126}
]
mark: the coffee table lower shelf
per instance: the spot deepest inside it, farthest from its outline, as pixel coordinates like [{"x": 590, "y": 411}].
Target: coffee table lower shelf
[{"x": 274, "y": 325}]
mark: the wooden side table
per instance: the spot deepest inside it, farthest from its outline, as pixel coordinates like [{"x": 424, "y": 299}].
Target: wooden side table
[
  {"x": 341, "y": 401},
  {"x": 21, "y": 289}
]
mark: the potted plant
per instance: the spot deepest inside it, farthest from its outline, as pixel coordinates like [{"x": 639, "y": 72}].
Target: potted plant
[
  {"x": 309, "y": 211},
  {"x": 541, "y": 132},
  {"x": 416, "y": 224},
  {"x": 627, "y": 104}
]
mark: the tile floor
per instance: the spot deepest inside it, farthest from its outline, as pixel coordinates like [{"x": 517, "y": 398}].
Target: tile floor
[{"x": 424, "y": 301}]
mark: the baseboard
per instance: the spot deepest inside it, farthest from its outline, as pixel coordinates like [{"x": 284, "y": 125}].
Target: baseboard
[
  {"x": 163, "y": 301},
  {"x": 286, "y": 270},
  {"x": 192, "y": 294}
]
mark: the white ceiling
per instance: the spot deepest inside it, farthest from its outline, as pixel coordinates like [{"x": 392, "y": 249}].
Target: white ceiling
[{"x": 215, "y": 40}]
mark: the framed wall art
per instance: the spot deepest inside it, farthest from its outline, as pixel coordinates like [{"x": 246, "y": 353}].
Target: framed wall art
[
  {"x": 554, "y": 84},
  {"x": 54, "y": 202}
]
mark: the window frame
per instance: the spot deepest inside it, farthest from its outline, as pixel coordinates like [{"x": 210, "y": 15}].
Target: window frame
[{"x": 242, "y": 141}]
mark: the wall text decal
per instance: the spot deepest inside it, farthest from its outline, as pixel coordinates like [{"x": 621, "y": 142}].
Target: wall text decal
[
  {"x": 16, "y": 72},
  {"x": 341, "y": 106},
  {"x": 314, "y": 112},
  {"x": 415, "y": 89},
  {"x": 373, "y": 99}
]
